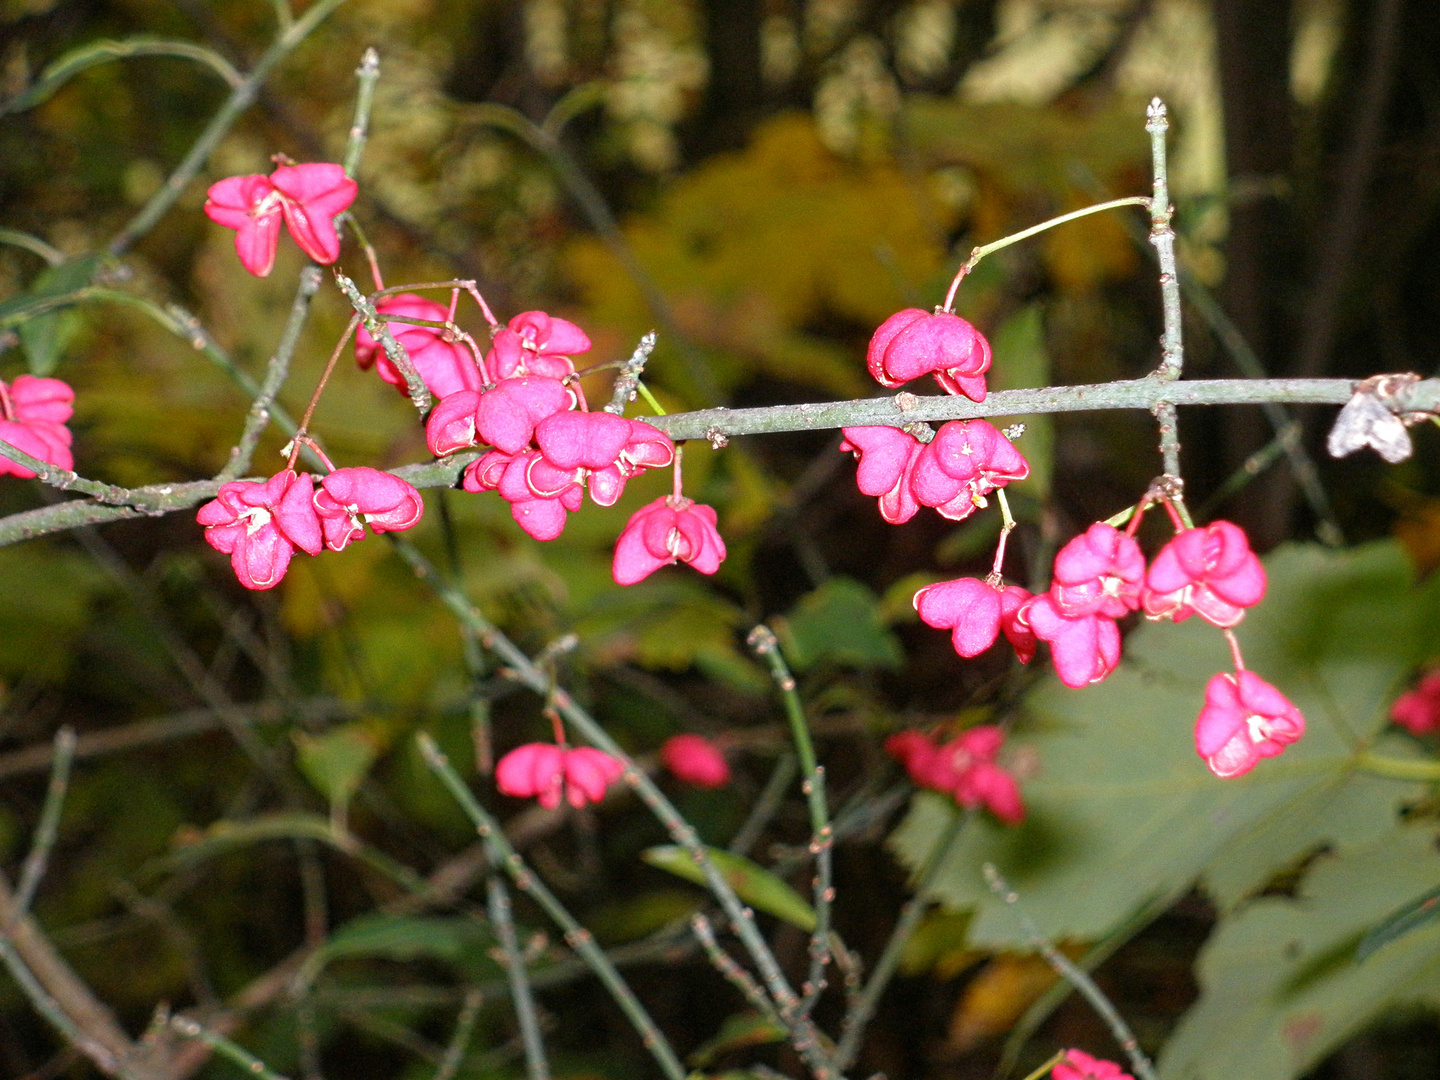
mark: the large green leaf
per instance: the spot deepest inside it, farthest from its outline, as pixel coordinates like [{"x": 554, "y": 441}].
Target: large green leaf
[
  {"x": 840, "y": 623},
  {"x": 1122, "y": 811},
  {"x": 1281, "y": 985},
  {"x": 398, "y": 937},
  {"x": 753, "y": 884}
]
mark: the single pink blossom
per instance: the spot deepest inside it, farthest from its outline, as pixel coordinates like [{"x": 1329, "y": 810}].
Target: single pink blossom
[
  {"x": 1077, "y": 1065},
  {"x": 315, "y": 194},
  {"x": 33, "y": 412},
  {"x": 963, "y": 768},
  {"x": 669, "y": 530},
  {"x": 306, "y": 197},
  {"x": 445, "y": 366},
  {"x": 1210, "y": 572},
  {"x": 259, "y": 525},
  {"x": 912, "y": 343},
  {"x": 976, "y": 612},
  {"x": 1418, "y": 710},
  {"x": 1084, "y": 648},
  {"x": 251, "y": 206},
  {"x": 534, "y": 343},
  {"x": 887, "y": 458},
  {"x": 694, "y": 760},
  {"x": 544, "y": 771},
  {"x": 965, "y": 461},
  {"x": 1099, "y": 572},
  {"x": 346, "y": 497},
  {"x": 1244, "y": 719},
  {"x": 508, "y": 412}
]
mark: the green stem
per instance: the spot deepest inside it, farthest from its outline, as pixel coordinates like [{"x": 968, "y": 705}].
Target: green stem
[
  {"x": 379, "y": 329},
  {"x": 46, "y": 830},
  {"x": 805, "y": 1038},
  {"x": 763, "y": 641},
  {"x": 1398, "y": 769},
  {"x": 33, "y": 244},
  {"x": 367, "y": 75},
  {"x": 252, "y": 1066},
  {"x": 1075, "y": 977},
  {"x": 1172, "y": 349},
  {"x": 536, "y": 1067},
  {"x": 258, "y": 418},
  {"x": 1024, "y": 234}
]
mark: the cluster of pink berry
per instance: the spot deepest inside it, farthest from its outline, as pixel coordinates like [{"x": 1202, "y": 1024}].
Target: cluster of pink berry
[
  {"x": 543, "y": 771},
  {"x": 1099, "y": 577},
  {"x": 521, "y": 399},
  {"x": 963, "y": 768},
  {"x": 33, "y": 412},
  {"x": 260, "y": 524}
]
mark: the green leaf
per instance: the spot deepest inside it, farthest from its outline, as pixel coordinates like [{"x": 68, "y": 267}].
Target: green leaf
[
  {"x": 753, "y": 884},
  {"x": 1397, "y": 924},
  {"x": 46, "y": 337},
  {"x": 53, "y": 288},
  {"x": 1021, "y": 361},
  {"x": 397, "y": 937},
  {"x": 737, "y": 1033},
  {"x": 1281, "y": 987},
  {"x": 839, "y": 622},
  {"x": 337, "y": 761},
  {"x": 1122, "y": 810}
]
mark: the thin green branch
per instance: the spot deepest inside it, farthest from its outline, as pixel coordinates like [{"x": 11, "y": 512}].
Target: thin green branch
[
  {"x": 1172, "y": 349},
  {"x": 732, "y": 972},
  {"x": 252, "y": 1066},
  {"x": 1398, "y": 768},
  {"x": 627, "y": 383},
  {"x": 1082, "y": 982},
  {"x": 907, "y": 408},
  {"x": 95, "y": 53},
  {"x": 764, "y": 807},
  {"x": 1034, "y": 230},
  {"x": 49, "y": 824},
  {"x": 367, "y": 75},
  {"x": 576, "y": 936},
  {"x": 33, "y": 244},
  {"x": 536, "y": 1067},
  {"x": 460, "y": 1041},
  {"x": 898, "y": 411},
  {"x": 258, "y": 418},
  {"x": 762, "y": 640},
  {"x": 379, "y": 329}
]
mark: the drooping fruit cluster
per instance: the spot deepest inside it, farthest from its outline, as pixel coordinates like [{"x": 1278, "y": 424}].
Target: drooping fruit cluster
[{"x": 1099, "y": 577}]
